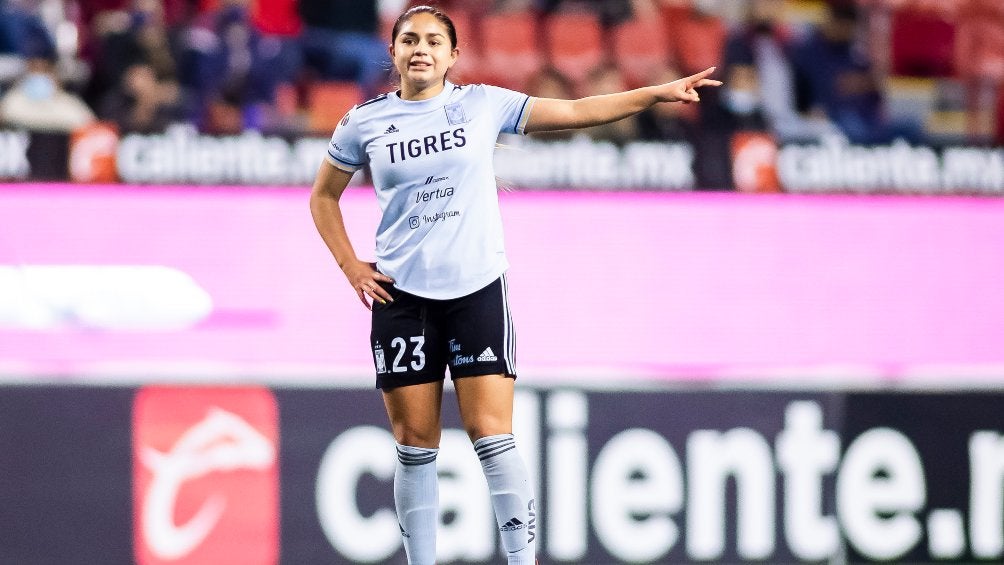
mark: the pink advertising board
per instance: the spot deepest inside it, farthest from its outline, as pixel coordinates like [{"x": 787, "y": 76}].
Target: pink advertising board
[{"x": 103, "y": 282}]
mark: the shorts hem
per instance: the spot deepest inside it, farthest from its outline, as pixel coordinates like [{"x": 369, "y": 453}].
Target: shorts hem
[
  {"x": 385, "y": 382},
  {"x": 481, "y": 371}
]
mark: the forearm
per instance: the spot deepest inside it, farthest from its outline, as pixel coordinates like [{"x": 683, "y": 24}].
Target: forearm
[
  {"x": 549, "y": 114},
  {"x": 606, "y": 108},
  {"x": 327, "y": 214}
]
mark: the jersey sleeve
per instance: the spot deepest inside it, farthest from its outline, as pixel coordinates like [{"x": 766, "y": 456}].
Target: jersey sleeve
[
  {"x": 345, "y": 150},
  {"x": 512, "y": 109}
]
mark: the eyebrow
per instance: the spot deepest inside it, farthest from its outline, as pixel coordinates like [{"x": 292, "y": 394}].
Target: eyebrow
[{"x": 413, "y": 34}]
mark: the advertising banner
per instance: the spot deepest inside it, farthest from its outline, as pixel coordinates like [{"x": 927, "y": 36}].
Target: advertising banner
[
  {"x": 148, "y": 281},
  {"x": 205, "y": 472},
  {"x": 832, "y": 165},
  {"x": 186, "y": 474}
]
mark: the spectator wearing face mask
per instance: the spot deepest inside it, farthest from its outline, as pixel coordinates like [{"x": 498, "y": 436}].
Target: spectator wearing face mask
[
  {"x": 39, "y": 102},
  {"x": 736, "y": 107}
]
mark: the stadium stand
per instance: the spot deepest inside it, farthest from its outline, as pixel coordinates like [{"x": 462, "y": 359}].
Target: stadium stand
[
  {"x": 640, "y": 49},
  {"x": 574, "y": 43},
  {"x": 510, "y": 41},
  {"x": 938, "y": 63}
]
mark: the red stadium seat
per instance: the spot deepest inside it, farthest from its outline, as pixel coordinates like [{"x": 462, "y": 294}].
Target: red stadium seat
[
  {"x": 640, "y": 49},
  {"x": 327, "y": 102},
  {"x": 511, "y": 53},
  {"x": 979, "y": 45},
  {"x": 574, "y": 43},
  {"x": 698, "y": 41},
  {"x": 922, "y": 44}
]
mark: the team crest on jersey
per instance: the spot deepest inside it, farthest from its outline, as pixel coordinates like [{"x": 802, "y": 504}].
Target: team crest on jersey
[
  {"x": 345, "y": 120},
  {"x": 455, "y": 114}
]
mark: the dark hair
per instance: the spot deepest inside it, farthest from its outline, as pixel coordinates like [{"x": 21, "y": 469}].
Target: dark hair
[{"x": 435, "y": 12}]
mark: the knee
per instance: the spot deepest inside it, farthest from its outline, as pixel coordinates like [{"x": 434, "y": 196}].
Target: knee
[
  {"x": 417, "y": 436},
  {"x": 487, "y": 426}
]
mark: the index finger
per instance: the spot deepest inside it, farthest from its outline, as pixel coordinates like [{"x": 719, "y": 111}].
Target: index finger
[{"x": 702, "y": 74}]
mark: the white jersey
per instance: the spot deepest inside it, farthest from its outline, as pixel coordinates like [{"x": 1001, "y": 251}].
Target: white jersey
[{"x": 432, "y": 165}]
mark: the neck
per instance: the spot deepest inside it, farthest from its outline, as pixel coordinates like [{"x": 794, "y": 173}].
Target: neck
[{"x": 412, "y": 91}]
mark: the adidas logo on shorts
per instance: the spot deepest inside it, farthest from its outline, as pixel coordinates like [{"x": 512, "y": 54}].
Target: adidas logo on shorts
[{"x": 487, "y": 355}]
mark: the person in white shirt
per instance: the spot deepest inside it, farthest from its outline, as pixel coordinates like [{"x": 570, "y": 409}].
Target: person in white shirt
[
  {"x": 438, "y": 287},
  {"x": 38, "y": 101}
]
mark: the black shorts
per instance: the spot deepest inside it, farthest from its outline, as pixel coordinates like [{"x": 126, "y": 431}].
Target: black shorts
[{"x": 415, "y": 339}]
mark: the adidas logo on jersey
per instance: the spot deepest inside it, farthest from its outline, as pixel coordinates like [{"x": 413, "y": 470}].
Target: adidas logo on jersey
[
  {"x": 392, "y": 129},
  {"x": 512, "y": 525},
  {"x": 487, "y": 355}
]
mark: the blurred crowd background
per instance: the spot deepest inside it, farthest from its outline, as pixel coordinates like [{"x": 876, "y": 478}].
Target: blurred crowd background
[{"x": 925, "y": 71}]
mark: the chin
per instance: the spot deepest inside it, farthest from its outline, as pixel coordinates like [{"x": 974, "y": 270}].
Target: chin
[{"x": 421, "y": 79}]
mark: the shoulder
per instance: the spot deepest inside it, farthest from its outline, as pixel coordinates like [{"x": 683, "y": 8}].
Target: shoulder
[
  {"x": 365, "y": 109},
  {"x": 374, "y": 102},
  {"x": 491, "y": 94},
  {"x": 360, "y": 113}
]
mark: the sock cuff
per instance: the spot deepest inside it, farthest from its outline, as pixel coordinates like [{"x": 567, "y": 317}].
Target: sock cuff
[
  {"x": 411, "y": 456},
  {"x": 490, "y": 446}
]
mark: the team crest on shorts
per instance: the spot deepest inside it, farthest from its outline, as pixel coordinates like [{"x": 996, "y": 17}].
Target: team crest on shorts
[
  {"x": 455, "y": 114},
  {"x": 381, "y": 361}
]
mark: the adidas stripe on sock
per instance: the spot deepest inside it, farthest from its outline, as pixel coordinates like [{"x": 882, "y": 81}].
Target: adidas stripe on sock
[
  {"x": 416, "y": 498},
  {"x": 512, "y": 496}
]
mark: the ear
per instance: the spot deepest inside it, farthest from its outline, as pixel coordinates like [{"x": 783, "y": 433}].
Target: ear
[{"x": 390, "y": 49}]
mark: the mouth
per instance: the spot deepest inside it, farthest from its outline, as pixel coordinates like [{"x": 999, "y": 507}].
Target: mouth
[{"x": 419, "y": 65}]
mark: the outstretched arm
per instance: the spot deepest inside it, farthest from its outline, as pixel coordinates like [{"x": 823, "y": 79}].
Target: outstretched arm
[
  {"x": 324, "y": 207},
  {"x": 549, "y": 114}
]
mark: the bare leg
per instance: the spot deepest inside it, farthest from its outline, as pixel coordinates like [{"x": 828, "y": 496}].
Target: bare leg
[
  {"x": 414, "y": 413},
  {"x": 414, "y": 417},
  {"x": 485, "y": 405}
]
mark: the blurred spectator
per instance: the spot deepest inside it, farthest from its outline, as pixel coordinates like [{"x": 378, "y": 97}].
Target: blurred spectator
[
  {"x": 608, "y": 79},
  {"x": 22, "y": 33},
  {"x": 38, "y": 100},
  {"x": 610, "y": 12},
  {"x": 763, "y": 42},
  {"x": 232, "y": 70},
  {"x": 22, "y": 30},
  {"x": 840, "y": 81},
  {"x": 548, "y": 82},
  {"x": 148, "y": 38},
  {"x": 341, "y": 41},
  {"x": 123, "y": 38},
  {"x": 725, "y": 111},
  {"x": 141, "y": 103}
]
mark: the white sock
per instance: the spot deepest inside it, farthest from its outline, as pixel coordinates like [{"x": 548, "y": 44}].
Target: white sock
[
  {"x": 512, "y": 496},
  {"x": 416, "y": 498}
]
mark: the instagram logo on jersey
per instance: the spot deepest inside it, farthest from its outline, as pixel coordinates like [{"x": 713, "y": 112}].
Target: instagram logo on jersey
[{"x": 205, "y": 476}]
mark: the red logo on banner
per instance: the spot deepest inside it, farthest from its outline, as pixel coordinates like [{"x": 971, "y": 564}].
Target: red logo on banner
[
  {"x": 205, "y": 476},
  {"x": 92, "y": 153},
  {"x": 754, "y": 162}
]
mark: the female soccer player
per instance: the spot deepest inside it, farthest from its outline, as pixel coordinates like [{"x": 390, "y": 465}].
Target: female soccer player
[{"x": 438, "y": 287}]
